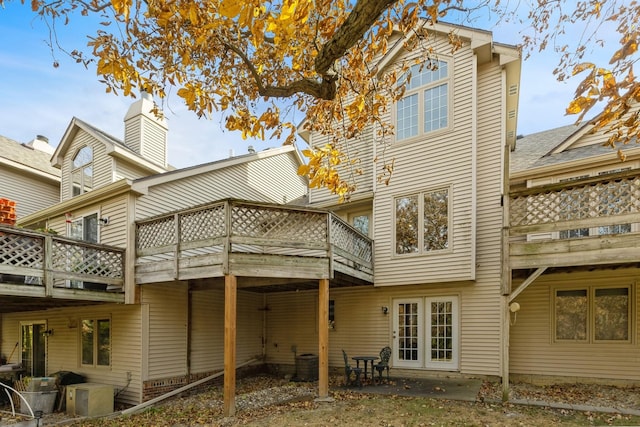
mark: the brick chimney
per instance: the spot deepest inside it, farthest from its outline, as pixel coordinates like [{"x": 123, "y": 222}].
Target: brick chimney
[{"x": 144, "y": 132}]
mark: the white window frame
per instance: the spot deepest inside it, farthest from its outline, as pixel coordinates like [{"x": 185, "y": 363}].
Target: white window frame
[
  {"x": 80, "y": 169},
  {"x": 420, "y": 195},
  {"x": 420, "y": 92},
  {"x": 95, "y": 319},
  {"x": 591, "y": 316}
]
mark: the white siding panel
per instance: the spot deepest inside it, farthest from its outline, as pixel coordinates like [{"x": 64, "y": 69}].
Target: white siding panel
[
  {"x": 128, "y": 170},
  {"x": 167, "y": 329},
  {"x": 30, "y": 194},
  {"x": 245, "y": 181},
  {"x": 207, "y": 333}
]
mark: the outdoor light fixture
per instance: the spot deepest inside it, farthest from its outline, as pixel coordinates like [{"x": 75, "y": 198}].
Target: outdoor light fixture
[
  {"x": 48, "y": 333},
  {"x": 104, "y": 220},
  {"x": 385, "y": 309}
]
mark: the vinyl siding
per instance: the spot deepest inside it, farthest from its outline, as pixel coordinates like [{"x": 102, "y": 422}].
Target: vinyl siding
[
  {"x": 167, "y": 350},
  {"x": 207, "y": 335},
  {"x": 30, "y": 194},
  {"x": 481, "y": 319},
  {"x": 533, "y": 352},
  {"x": 361, "y": 174},
  {"x": 102, "y": 163},
  {"x": 124, "y": 169},
  {"x": 360, "y": 325},
  {"x": 63, "y": 347},
  {"x": 154, "y": 147},
  {"x": 438, "y": 159},
  {"x": 272, "y": 179}
]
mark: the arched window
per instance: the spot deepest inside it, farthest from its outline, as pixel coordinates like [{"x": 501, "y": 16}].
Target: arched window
[{"x": 82, "y": 172}]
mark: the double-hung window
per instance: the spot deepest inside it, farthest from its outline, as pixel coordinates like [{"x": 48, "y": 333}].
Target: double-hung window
[
  {"x": 96, "y": 342},
  {"x": 422, "y": 222},
  {"x": 425, "y": 106},
  {"x": 593, "y": 314},
  {"x": 82, "y": 172}
]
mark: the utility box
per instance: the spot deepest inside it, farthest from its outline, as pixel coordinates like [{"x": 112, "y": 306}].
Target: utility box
[{"x": 89, "y": 399}]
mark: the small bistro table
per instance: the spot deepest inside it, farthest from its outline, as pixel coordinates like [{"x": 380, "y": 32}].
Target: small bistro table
[{"x": 366, "y": 360}]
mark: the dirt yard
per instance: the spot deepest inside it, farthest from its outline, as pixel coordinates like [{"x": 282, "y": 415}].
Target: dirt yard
[{"x": 268, "y": 401}]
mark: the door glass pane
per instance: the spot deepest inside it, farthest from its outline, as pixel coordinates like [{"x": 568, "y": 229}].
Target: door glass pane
[
  {"x": 27, "y": 348},
  {"x": 408, "y": 331},
  {"x": 441, "y": 331}
]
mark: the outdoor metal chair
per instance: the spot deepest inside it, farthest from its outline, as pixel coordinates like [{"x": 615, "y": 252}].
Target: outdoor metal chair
[
  {"x": 385, "y": 355},
  {"x": 348, "y": 370}
]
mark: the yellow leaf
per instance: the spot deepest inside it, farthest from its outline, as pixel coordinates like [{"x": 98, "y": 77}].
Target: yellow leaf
[{"x": 230, "y": 8}]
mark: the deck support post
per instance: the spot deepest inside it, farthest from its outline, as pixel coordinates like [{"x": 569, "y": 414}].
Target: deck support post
[
  {"x": 230, "y": 298},
  {"x": 323, "y": 339}
]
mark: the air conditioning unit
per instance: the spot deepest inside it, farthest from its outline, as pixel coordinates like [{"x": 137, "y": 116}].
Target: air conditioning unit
[{"x": 89, "y": 399}]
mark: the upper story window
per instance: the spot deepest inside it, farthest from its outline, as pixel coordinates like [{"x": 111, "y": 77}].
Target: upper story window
[
  {"x": 82, "y": 172},
  {"x": 422, "y": 222},
  {"x": 425, "y": 106}
]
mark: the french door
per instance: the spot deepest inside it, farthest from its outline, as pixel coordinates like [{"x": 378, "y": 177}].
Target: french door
[
  {"x": 33, "y": 348},
  {"x": 425, "y": 332}
]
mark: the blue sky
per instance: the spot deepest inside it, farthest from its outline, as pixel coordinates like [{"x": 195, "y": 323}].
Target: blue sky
[{"x": 38, "y": 99}]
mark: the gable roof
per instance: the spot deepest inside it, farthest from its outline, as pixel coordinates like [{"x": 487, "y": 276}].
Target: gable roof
[
  {"x": 114, "y": 146},
  {"x": 27, "y": 159}
]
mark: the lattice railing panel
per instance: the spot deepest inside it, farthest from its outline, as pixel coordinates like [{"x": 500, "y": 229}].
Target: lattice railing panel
[
  {"x": 592, "y": 200},
  {"x": 156, "y": 233},
  {"x": 79, "y": 259},
  {"x": 347, "y": 239},
  {"x": 203, "y": 224},
  {"x": 21, "y": 251},
  {"x": 277, "y": 223}
]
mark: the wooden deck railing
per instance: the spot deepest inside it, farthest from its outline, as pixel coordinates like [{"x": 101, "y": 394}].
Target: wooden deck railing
[
  {"x": 588, "y": 221},
  {"x": 249, "y": 239},
  {"x": 33, "y": 259}
]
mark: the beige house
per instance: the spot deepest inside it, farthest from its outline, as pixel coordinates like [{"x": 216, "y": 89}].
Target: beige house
[
  {"x": 573, "y": 248},
  {"x": 158, "y": 278}
]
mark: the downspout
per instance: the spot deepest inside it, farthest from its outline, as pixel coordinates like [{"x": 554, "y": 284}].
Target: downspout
[
  {"x": 264, "y": 327},
  {"x": 474, "y": 164}
]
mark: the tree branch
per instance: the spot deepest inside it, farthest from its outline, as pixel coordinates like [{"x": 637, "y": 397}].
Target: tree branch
[
  {"x": 361, "y": 18},
  {"x": 325, "y": 89}
]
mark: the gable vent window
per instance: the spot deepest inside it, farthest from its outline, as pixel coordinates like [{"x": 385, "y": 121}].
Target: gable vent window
[{"x": 82, "y": 172}]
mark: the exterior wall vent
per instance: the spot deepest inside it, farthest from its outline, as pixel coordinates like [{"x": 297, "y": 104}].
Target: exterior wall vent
[{"x": 513, "y": 90}]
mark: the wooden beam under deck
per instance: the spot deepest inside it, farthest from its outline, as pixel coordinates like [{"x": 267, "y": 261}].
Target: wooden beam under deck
[
  {"x": 323, "y": 339},
  {"x": 230, "y": 312}
]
